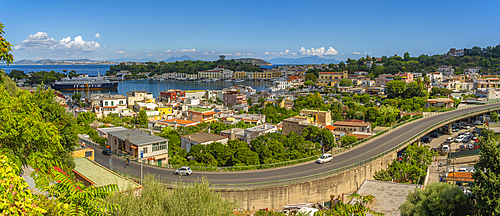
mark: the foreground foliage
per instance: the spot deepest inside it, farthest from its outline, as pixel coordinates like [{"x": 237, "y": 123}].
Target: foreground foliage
[
  {"x": 156, "y": 199},
  {"x": 437, "y": 199}
]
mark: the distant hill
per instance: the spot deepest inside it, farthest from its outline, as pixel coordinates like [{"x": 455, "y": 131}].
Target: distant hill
[
  {"x": 303, "y": 60},
  {"x": 61, "y": 62},
  {"x": 259, "y": 62},
  {"x": 182, "y": 58}
]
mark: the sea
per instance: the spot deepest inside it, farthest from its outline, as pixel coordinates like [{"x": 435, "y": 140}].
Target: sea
[{"x": 152, "y": 86}]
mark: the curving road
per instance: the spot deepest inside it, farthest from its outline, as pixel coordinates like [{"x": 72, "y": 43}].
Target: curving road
[{"x": 357, "y": 154}]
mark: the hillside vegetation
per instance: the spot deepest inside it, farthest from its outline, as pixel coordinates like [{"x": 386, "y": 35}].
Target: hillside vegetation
[{"x": 190, "y": 67}]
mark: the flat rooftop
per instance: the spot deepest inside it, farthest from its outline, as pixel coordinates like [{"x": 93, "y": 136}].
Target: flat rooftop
[
  {"x": 388, "y": 195},
  {"x": 204, "y": 137},
  {"x": 137, "y": 137},
  {"x": 101, "y": 176},
  {"x": 111, "y": 129},
  {"x": 199, "y": 109}
]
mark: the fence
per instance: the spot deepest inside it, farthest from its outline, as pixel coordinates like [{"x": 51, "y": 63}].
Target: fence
[{"x": 342, "y": 169}]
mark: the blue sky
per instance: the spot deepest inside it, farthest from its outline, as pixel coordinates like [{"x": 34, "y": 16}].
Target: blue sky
[{"x": 260, "y": 29}]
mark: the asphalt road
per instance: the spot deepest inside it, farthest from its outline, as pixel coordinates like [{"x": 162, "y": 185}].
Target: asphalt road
[{"x": 357, "y": 154}]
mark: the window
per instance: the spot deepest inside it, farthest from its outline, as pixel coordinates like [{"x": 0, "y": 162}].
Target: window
[
  {"x": 121, "y": 102},
  {"x": 106, "y": 103},
  {"x": 88, "y": 154},
  {"x": 112, "y": 103},
  {"x": 159, "y": 146},
  {"x": 145, "y": 150}
]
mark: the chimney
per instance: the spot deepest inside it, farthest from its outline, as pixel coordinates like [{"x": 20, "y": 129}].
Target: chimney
[
  {"x": 151, "y": 134},
  {"x": 232, "y": 136}
]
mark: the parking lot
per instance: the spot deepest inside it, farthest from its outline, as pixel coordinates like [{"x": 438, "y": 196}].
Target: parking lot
[{"x": 437, "y": 143}]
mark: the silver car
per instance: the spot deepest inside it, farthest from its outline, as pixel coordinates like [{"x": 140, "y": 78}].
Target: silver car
[{"x": 183, "y": 171}]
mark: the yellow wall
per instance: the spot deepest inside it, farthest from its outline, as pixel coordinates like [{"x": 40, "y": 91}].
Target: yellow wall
[
  {"x": 164, "y": 110},
  {"x": 81, "y": 153}
]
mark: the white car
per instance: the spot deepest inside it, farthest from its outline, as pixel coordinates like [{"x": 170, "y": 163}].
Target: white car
[
  {"x": 324, "y": 158},
  {"x": 183, "y": 171},
  {"x": 460, "y": 139}
]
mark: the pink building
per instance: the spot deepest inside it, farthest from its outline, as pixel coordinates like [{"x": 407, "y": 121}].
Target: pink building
[{"x": 383, "y": 79}]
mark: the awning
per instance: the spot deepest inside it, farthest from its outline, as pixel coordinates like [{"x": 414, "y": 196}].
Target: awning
[
  {"x": 162, "y": 156},
  {"x": 133, "y": 147},
  {"x": 151, "y": 158}
]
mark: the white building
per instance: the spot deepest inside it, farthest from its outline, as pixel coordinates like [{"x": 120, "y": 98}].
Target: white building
[
  {"x": 282, "y": 84},
  {"x": 249, "y": 75},
  {"x": 192, "y": 101},
  {"x": 227, "y": 74},
  {"x": 113, "y": 104}
]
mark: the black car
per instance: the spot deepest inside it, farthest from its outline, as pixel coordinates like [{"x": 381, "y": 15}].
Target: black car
[
  {"x": 435, "y": 135},
  {"x": 426, "y": 139},
  {"x": 107, "y": 152}
]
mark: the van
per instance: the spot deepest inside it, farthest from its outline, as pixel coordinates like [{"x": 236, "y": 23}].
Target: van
[{"x": 446, "y": 148}]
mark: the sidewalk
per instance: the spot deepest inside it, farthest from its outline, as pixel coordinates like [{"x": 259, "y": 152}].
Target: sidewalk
[{"x": 437, "y": 169}]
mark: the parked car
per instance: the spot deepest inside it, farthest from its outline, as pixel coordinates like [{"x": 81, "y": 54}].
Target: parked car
[
  {"x": 465, "y": 126},
  {"x": 324, "y": 158},
  {"x": 446, "y": 148},
  {"x": 460, "y": 138},
  {"x": 470, "y": 146},
  {"x": 107, "y": 152},
  {"x": 435, "y": 135},
  {"x": 426, "y": 139},
  {"x": 450, "y": 139},
  {"x": 462, "y": 148},
  {"x": 183, "y": 171}
]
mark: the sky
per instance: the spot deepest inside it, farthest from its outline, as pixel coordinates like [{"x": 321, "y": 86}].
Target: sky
[{"x": 157, "y": 30}]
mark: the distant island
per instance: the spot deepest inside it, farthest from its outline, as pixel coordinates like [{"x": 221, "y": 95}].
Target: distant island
[
  {"x": 259, "y": 62},
  {"x": 63, "y": 62}
]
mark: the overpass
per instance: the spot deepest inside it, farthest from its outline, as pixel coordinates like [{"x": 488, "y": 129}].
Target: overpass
[{"x": 309, "y": 181}]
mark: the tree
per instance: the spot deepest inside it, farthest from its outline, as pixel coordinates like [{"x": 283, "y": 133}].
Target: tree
[
  {"x": 494, "y": 116},
  {"x": 142, "y": 119},
  {"x": 76, "y": 97},
  {"x": 15, "y": 196},
  {"x": 348, "y": 139},
  {"x": 357, "y": 205},
  {"x": 395, "y": 88},
  {"x": 308, "y": 83},
  {"x": 156, "y": 199},
  {"x": 5, "y": 48},
  {"x": 74, "y": 198},
  {"x": 486, "y": 188},
  {"x": 249, "y": 101},
  {"x": 345, "y": 82},
  {"x": 311, "y": 77},
  {"x": 437, "y": 199},
  {"x": 382, "y": 175}
]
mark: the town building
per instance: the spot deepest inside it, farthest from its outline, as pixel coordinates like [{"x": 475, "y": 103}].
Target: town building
[
  {"x": 136, "y": 96},
  {"x": 352, "y": 125},
  {"x": 326, "y": 78},
  {"x": 202, "y": 115},
  {"x": 282, "y": 84},
  {"x": 133, "y": 141},
  {"x": 174, "y": 123},
  {"x": 172, "y": 95},
  {"x": 259, "y": 130},
  {"x": 234, "y": 133},
  {"x": 211, "y": 74},
  {"x": 239, "y": 75},
  {"x": 103, "y": 132},
  {"x": 319, "y": 117},
  {"x": 254, "y": 119},
  {"x": 456, "y": 52},
  {"x": 113, "y": 104},
  {"x": 297, "y": 124},
  {"x": 438, "y": 102},
  {"x": 190, "y": 140},
  {"x": 488, "y": 93},
  {"x": 231, "y": 98}
]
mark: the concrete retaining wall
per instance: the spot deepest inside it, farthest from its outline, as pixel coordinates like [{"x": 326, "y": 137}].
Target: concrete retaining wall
[{"x": 312, "y": 191}]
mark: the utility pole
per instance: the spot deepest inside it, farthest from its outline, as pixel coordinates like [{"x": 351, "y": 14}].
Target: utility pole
[{"x": 141, "y": 165}]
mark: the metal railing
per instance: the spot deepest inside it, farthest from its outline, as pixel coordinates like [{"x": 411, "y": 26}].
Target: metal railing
[{"x": 338, "y": 170}]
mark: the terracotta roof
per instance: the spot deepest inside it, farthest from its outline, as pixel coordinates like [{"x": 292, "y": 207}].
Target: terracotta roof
[
  {"x": 330, "y": 127},
  {"x": 351, "y": 124},
  {"x": 109, "y": 107},
  {"x": 331, "y": 72},
  {"x": 178, "y": 121},
  {"x": 209, "y": 113}
]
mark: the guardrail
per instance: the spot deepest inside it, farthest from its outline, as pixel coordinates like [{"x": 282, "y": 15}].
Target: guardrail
[{"x": 338, "y": 170}]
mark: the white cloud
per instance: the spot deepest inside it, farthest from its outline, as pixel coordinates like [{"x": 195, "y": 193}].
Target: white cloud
[
  {"x": 359, "y": 53},
  {"x": 168, "y": 51},
  {"x": 318, "y": 51},
  {"x": 205, "y": 53},
  {"x": 97, "y": 35},
  {"x": 120, "y": 52},
  {"x": 356, "y": 53},
  {"x": 213, "y": 51},
  {"x": 41, "y": 41},
  {"x": 186, "y": 50}
]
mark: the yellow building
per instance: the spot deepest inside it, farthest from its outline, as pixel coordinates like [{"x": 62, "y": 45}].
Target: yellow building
[
  {"x": 209, "y": 74},
  {"x": 164, "y": 110},
  {"x": 274, "y": 102},
  {"x": 326, "y": 78},
  {"x": 150, "y": 100},
  {"x": 262, "y": 75},
  {"x": 275, "y": 74},
  {"x": 240, "y": 75},
  {"x": 83, "y": 152},
  {"x": 192, "y": 76}
]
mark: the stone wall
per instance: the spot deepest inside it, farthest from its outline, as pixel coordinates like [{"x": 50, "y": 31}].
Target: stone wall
[{"x": 312, "y": 191}]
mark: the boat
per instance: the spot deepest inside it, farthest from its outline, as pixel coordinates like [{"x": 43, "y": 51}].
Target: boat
[
  {"x": 228, "y": 80},
  {"x": 84, "y": 82},
  {"x": 238, "y": 80}
]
